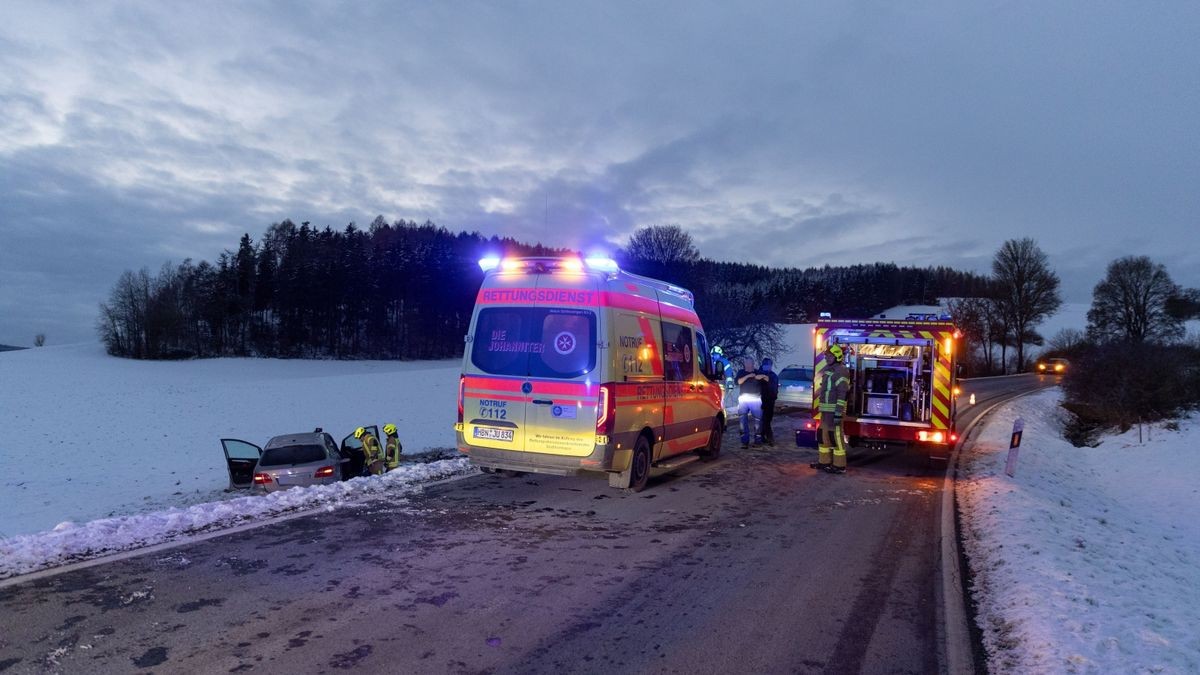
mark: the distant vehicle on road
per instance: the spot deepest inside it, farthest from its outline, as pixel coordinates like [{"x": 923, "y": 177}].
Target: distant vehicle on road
[
  {"x": 795, "y": 386},
  {"x": 287, "y": 461},
  {"x": 1056, "y": 366}
]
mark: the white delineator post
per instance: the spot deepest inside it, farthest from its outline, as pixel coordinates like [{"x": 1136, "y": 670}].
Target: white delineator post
[{"x": 1014, "y": 446}]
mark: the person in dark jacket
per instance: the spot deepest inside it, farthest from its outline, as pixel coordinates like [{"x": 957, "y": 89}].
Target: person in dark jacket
[
  {"x": 770, "y": 392},
  {"x": 750, "y": 383}
]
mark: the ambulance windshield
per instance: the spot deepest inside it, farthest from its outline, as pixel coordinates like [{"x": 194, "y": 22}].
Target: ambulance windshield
[{"x": 535, "y": 341}]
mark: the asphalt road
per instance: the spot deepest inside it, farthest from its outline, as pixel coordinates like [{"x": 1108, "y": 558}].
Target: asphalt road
[{"x": 753, "y": 563}]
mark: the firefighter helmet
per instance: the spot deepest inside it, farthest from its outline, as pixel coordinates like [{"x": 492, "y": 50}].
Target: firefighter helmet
[
  {"x": 836, "y": 352},
  {"x": 358, "y": 433},
  {"x": 717, "y": 350},
  {"x": 389, "y": 429}
]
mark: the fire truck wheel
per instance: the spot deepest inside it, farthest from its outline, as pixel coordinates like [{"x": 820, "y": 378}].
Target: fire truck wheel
[
  {"x": 639, "y": 466},
  {"x": 713, "y": 449}
]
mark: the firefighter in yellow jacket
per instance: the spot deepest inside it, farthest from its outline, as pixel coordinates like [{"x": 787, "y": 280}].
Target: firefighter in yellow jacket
[
  {"x": 372, "y": 454},
  {"x": 835, "y": 384},
  {"x": 391, "y": 447}
]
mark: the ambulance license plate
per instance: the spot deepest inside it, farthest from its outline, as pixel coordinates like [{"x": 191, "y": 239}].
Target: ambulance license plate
[{"x": 493, "y": 434}]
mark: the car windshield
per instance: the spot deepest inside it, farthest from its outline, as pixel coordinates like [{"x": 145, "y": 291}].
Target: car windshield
[
  {"x": 292, "y": 454},
  {"x": 796, "y": 375},
  {"x": 534, "y": 341}
]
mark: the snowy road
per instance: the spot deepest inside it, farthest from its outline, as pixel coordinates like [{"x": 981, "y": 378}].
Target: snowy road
[{"x": 751, "y": 564}]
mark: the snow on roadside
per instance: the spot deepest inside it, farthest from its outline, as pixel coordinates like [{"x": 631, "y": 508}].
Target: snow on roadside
[
  {"x": 69, "y": 542},
  {"x": 1088, "y": 560}
]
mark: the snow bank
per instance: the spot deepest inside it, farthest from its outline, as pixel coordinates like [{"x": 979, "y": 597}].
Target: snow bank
[
  {"x": 70, "y": 543},
  {"x": 86, "y": 436},
  {"x": 1089, "y": 559}
]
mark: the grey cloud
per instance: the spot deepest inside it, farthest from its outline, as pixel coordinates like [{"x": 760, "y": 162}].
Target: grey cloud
[{"x": 782, "y": 132}]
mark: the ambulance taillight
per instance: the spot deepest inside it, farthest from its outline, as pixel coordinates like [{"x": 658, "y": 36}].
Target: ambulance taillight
[
  {"x": 606, "y": 411},
  {"x": 462, "y": 387}
]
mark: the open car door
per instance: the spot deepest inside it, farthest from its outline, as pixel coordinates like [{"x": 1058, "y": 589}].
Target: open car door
[
  {"x": 352, "y": 449},
  {"x": 241, "y": 458}
]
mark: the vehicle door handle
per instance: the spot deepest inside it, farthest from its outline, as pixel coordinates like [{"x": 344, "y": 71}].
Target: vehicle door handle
[{"x": 542, "y": 401}]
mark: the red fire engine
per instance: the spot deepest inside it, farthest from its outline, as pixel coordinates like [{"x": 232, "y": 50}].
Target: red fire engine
[{"x": 903, "y": 380}]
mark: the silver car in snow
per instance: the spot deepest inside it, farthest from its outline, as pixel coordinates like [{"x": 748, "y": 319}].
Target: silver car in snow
[{"x": 286, "y": 461}]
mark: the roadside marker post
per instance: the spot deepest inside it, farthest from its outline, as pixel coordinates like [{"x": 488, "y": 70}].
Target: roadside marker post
[{"x": 1014, "y": 447}]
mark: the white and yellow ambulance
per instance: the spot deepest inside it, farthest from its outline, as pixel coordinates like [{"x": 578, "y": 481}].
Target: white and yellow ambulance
[{"x": 575, "y": 365}]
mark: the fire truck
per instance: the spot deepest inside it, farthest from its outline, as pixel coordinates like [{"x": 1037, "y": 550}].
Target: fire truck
[{"x": 903, "y": 380}]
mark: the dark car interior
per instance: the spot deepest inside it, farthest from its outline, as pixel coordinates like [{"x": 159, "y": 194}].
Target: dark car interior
[{"x": 241, "y": 458}]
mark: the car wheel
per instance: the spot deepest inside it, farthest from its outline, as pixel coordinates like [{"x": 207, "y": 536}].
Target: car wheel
[
  {"x": 639, "y": 466},
  {"x": 713, "y": 449}
]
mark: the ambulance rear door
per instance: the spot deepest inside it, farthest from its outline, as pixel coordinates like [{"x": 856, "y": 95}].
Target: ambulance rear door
[
  {"x": 497, "y": 364},
  {"x": 563, "y": 387}
]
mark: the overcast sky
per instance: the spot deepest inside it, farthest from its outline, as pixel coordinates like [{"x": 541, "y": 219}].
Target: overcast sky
[{"x": 778, "y": 133}]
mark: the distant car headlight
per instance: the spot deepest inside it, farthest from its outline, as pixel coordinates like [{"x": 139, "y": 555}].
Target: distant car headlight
[
  {"x": 1059, "y": 367},
  {"x": 1041, "y": 366}
]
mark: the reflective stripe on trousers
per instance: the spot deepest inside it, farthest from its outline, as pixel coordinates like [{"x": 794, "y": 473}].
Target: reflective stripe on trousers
[{"x": 831, "y": 442}]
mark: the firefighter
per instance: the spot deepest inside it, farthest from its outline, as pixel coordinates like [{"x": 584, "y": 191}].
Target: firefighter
[
  {"x": 391, "y": 447},
  {"x": 835, "y": 383},
  {"x": 723, "y": 367},
  {"x": 372, "y": 455}
]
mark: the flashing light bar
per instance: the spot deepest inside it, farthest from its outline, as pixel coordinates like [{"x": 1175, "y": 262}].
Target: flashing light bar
[{"x": 595, "y": 264}]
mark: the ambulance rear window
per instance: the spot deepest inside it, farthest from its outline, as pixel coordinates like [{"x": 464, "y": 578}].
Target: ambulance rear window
[{"x": 534, "y": 341}]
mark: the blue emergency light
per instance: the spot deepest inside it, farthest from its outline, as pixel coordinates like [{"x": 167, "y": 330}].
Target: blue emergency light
[{"x": 602, "y": 265}]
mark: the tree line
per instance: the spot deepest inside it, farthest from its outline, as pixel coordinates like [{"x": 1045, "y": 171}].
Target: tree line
[
  {"x": 393, "y": 291},
  {"x": 405, "y": 291}
]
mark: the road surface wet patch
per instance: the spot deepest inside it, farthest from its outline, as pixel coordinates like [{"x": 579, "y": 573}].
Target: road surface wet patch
[
  {"x": 197, "y": 605},
  {"x": 155, "y": 656}
]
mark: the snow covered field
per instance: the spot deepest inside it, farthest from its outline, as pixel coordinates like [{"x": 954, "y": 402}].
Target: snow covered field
[
  {"x": 86, "y": 436},
  {"x": 1088, "y": 560}
]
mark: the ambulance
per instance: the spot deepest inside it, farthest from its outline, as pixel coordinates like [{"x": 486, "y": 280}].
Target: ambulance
[{"x": 574, "y": 365}]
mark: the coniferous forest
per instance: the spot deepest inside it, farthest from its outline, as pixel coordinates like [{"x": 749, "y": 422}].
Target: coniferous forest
[{"x": 405, "y": 291}]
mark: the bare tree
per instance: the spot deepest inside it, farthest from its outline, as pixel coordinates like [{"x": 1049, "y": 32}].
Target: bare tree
[
  {"x": 39, "y": 340},
  {"x": 742, "y": 323},
  {"x": 1067, "y": 341},
  {"x": 663, "y": 244},
  {"x": 1130, "y": 303},
  {"x": 1027, "y": 290},
  {"x": 1185, "y": 306},
  {"x": 970, "y": 317}
]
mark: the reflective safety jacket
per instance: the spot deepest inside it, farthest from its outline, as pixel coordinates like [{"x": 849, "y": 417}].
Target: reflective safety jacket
[
  {"x": 371, "y": 449},
  {"x": 391, "y": 451},
  {"x": 834, "y": 388}
]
